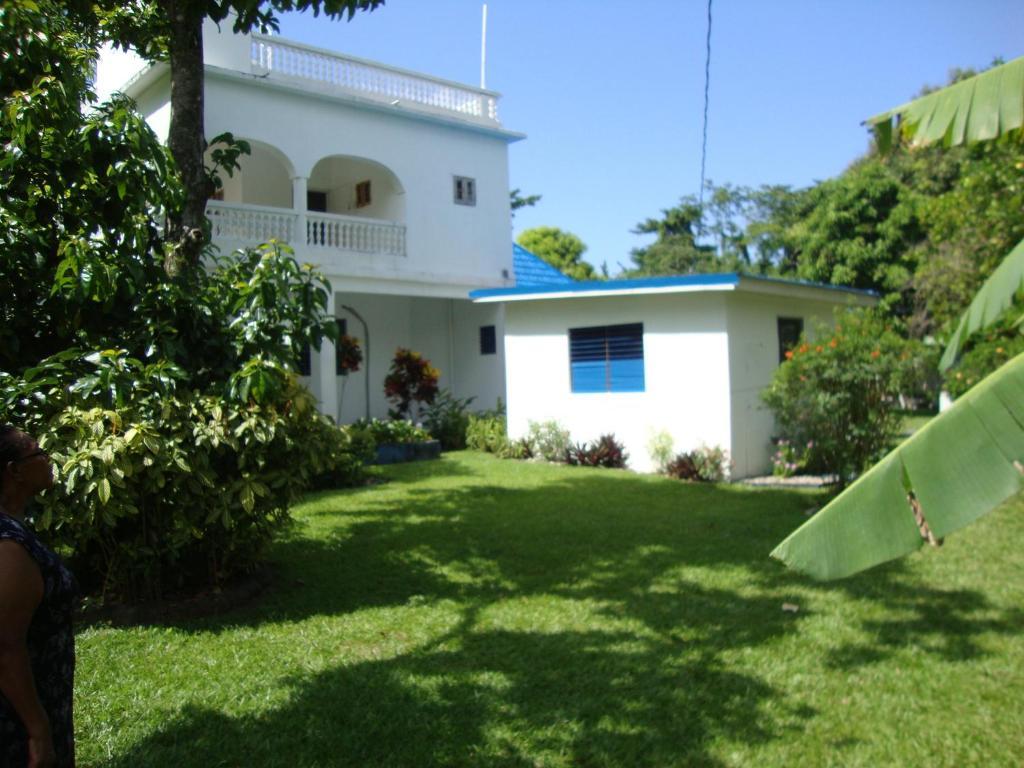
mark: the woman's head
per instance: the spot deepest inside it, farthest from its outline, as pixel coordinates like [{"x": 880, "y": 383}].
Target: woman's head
[{"x": 24, "y": 467}]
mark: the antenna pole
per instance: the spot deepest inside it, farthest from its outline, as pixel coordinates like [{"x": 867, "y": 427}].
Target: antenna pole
[{"x": 483, "y": 50}]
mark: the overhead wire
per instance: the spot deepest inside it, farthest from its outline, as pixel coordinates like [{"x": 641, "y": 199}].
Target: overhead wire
[{"x": 704, "y": 139}]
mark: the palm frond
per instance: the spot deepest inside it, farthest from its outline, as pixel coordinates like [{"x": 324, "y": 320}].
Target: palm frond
[
  {"x": 959, "y": 466},
  {"x": 989, "y": 303},
  {"x": 979, "y": 108}
]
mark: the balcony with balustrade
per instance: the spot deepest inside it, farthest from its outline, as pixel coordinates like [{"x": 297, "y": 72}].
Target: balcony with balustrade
[{"x": 347, "y": 207}]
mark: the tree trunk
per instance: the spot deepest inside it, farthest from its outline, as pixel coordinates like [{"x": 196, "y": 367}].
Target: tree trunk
[{"x": 187, "y": 136}]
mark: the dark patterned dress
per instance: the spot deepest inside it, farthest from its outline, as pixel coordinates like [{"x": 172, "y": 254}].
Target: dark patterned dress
[{"x": 51, "y": 648}]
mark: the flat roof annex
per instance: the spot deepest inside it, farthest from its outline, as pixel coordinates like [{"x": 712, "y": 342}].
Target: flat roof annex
[{"x": 644, "y": 286}]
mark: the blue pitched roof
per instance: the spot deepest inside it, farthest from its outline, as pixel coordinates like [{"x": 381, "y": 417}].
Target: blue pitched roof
[{"x": 532, "y": 271}]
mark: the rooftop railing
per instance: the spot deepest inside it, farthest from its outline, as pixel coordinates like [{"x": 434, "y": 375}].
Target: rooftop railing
[{"x": 390, "y": 85}]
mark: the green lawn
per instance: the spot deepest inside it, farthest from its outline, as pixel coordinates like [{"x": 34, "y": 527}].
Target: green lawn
[{"x": 496, "y": 613}]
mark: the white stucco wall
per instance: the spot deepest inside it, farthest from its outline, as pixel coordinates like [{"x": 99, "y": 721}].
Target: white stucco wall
[
  {"x": 686, "y": 371},
  {"x": 470, "y": 243},
  {"x": 445, "y": 331},
  {"x": 753, "y": 358},
  {"x": 409, "y": 156},
  {"x": 481, "y": 377}
]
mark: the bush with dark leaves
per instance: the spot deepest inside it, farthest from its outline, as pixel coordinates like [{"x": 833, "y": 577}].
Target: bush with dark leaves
[{"x": 606, "y": 451}]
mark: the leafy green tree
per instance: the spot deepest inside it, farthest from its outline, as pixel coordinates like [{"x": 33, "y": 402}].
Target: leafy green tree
[
  {"x": 967, "y": 460},
  {"x": 81, "y": 195},
  {"x": 736, "y": 229},
  {"x": 562, "y": 250},
  {"x": 135, "y": 380},
  {"x": 858, "y": 230},
  {"x": 518, "y": 200},
  {"x": 675, "y": 250}
]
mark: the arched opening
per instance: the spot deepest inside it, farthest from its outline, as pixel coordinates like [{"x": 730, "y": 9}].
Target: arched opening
[
  {"x": 354, "y": 186},
  {"x": 264, "y": 178}
]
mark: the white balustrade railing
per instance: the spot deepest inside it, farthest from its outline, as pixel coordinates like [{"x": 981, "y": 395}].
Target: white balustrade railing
[
  {"x": 256, "y": 224},
  {"x": 250, "y": 223},
  {"x": 390, "y": 84},
  {"x": 349, "y": 233}
]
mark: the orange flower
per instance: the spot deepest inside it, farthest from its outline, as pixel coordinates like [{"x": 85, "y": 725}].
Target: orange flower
[
  {"x": 875, "y": 353},
  {"x": 789, "y": 354},
  {"x": 833, "y": 343},
  {"x": 819, "y": 348},
  {"x": 804, "y": 348}
]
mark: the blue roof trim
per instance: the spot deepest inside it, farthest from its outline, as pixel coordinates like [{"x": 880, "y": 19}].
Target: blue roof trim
[
  {"x": 669, "y": 281},
  {"x": 531, "y": 271},
  {"x": 601, "y": 286}
]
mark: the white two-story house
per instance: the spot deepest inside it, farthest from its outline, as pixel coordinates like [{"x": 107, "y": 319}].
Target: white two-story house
[{"x": 394, "y": 183}]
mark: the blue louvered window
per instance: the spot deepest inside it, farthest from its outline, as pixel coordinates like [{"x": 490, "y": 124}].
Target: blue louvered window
[{"x": 608, "y": 358}]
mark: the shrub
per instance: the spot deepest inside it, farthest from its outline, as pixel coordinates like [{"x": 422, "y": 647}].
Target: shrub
[
  {"x": 160, "y": 488},
  {"x": 841, "y": 392},
  {"x": 517, "y": 449},
  {"x": 411, "y": 379},
  {"x": 790, "y": 459},
  {"x": 606, "y": 451},
  {"x": 986, "y": 352},
  {"x": 683, "y": 467},
  {"x": 486, "y": 432},
  {"x": 446, "y": 419},
  {"x": 708, "y": 464},
  {"x": 548, "y": 439},
  {"x": 160, "y": 383},
  {"x": 659, "y": 448},
  {"x": 383, "y": 431}
]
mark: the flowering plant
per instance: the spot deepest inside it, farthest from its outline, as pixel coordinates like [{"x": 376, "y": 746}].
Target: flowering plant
[
  {"x": 838, "y": 394},
  {"x": 411, "y": 379},
  {"x": 789, "y": 458},
  {"x": 348, "y": 353}
]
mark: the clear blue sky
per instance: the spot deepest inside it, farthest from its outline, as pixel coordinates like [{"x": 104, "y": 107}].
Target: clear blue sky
[{"x": 610, "y": 95}]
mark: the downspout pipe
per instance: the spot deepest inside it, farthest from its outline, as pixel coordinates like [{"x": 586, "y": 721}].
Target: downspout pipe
[{"x": 366, "y": 357}]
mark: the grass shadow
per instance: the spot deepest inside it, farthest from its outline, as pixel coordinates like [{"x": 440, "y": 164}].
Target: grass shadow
[{"x": 495, "y": 698}]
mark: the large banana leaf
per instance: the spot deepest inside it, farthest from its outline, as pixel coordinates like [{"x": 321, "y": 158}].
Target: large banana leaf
[
  {"x": 994, "y": 298},
  {"x": 959, "y": 466},
  {"x": 979, "y": 108}
]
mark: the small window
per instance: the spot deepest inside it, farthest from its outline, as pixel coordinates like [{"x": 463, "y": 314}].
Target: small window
[
  {"x": 607, "y": 358},
  {"x": 488, "y": 340},
  {"x": 362, "y": 194},
  {"x": 465, "y": 190},
  {"x": 305, "y": 361},
  {"x": 790, "y": 329},
  {"x": 316, "y": 201}
]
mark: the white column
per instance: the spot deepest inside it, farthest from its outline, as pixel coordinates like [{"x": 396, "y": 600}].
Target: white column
[
  {"x": 325, "y": 371},
  {"x": 299, "y": 241}
]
